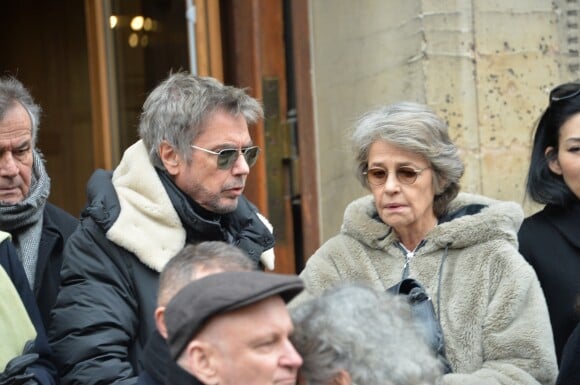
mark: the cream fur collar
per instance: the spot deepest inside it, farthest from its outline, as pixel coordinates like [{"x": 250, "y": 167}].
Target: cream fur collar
[{"x": 148, "y": 225}]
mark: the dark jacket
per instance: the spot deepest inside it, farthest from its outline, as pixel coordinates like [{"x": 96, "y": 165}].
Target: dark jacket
[
  {"x": 155, "y": 361},
  {"x": 57, "y": 226},
  {"x": 570, "y": 364},
  {"x": 550, "y": 242},
  {"x": 43, "y": 369},
  {"x": 178, "y": 376},
  {"x": 104, "y": 311}
]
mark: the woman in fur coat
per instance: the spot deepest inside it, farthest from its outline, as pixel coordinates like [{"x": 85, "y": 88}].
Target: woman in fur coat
[{"x": 461, "y": 247}]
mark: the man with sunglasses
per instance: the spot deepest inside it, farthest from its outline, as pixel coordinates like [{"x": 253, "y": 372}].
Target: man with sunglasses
[{"x": 181, "y": 183}]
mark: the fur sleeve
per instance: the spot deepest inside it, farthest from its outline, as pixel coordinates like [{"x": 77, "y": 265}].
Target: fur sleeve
[
  {"x": 517, "y": 343},
  {"x": 319, "y": 273}
]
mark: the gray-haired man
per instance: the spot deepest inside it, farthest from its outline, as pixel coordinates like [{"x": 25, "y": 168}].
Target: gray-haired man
[
  {"x": 39, "y": 229},
  {"x": 182, "y": 182}
]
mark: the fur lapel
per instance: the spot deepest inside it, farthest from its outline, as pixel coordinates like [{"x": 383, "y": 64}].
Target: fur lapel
[
  {"x": 500, "y": 220},
  {"x": 148, "y": 225}
]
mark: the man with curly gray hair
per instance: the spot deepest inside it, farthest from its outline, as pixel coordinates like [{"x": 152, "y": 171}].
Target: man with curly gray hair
[{"x": 353, "y": 334}]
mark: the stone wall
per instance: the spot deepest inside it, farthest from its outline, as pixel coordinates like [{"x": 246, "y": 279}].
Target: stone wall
[{"x": 486, "y": 66}]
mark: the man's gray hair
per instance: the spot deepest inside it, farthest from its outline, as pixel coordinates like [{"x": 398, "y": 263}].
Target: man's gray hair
[
  {"x": 367, "y": 333},
  {"x": 13, "y": 91},
  {"x": 187, "y": 264},
  {"x": 177, "y": 109},
  {"x": 416, "y": 128}
]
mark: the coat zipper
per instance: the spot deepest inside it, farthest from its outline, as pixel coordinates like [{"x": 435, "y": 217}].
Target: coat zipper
[{"x": 409, "y": 255}]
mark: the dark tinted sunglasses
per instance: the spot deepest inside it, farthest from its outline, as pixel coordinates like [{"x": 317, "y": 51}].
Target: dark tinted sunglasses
[
  {"x": 228, "y": 156},
  {"x": 564, "y": 91}
]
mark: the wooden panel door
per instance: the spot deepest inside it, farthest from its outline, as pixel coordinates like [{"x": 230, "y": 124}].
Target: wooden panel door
[
  {"x": 259, "y": 54},
  {"x": 254, "y": 57}
]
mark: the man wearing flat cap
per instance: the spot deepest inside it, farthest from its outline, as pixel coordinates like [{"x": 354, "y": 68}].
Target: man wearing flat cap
[{"x": 233, "y": 328}]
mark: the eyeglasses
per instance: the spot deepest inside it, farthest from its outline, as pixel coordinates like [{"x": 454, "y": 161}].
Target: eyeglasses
[
  {"x": 405, "y": 175},
  {"x": 564, "y": 91},
  {"x": 228, "y": 156}
]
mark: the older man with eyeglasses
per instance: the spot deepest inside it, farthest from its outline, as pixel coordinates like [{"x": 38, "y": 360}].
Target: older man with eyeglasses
[{"x": 181, "y": 183}]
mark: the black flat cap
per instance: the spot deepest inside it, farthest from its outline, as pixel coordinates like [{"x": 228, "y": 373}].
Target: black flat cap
[{"x": 218, "y": 293}]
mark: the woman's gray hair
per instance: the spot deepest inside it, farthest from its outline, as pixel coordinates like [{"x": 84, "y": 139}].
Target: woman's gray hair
[
  {"x": 13, "y": 91},
  {"x": 416, "y": 128},
  {"x": 177, "y": 109},
  {"x": 367, "y": 333}
]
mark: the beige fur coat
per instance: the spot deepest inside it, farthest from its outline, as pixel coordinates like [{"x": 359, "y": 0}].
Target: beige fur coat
[{"x": 492, "y": 310}]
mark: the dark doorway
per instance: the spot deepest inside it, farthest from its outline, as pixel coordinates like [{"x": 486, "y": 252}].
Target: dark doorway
[{"x": 44, "y": 45}]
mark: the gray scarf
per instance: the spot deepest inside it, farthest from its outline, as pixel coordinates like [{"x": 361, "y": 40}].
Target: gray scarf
[{"x": 24, "y": 219}]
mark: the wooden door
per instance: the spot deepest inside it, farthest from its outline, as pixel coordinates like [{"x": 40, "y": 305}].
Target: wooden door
[
  {"x": 254, "y": 58},
  {"x": 259, "y": 54},
  {"x": 43, "y": 44}
]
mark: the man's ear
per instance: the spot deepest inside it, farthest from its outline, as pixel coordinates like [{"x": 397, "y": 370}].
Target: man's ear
[
  {"x": 160, "y": 321},
  {"x": 169, "y": 157},
  {"x": 553, "y": 162},
  {"x": 202, "y": 362}
]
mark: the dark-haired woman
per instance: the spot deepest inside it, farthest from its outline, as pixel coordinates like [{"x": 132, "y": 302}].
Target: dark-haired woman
[{"x": 550, "y": 239}]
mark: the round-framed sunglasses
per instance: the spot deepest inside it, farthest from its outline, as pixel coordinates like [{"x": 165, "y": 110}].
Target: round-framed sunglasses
[
  {"x": 564, "y": 91},
  {"x": 228, "y": 156},
  {"x": 377, "y": 176}
]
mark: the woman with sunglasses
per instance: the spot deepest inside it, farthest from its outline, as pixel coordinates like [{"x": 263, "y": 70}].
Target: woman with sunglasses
[
  {"x": 461, "y": 247},
  {"x": 550, "y": 239}
]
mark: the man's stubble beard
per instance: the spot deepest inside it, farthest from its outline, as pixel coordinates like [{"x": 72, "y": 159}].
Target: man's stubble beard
[{"x": 212, "y": 202}]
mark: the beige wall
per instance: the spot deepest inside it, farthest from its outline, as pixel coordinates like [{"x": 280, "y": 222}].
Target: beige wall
[{"x": 485, "y": 66}]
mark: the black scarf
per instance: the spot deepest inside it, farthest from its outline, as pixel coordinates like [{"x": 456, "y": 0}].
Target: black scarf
[{"x": 241, "y": 228}]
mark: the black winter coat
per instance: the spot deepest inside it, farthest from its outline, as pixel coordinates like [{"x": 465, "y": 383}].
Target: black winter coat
[
  {"x": 570, "y": 365},
  {"x": 155, "y": 361},
  {"x": 550, "y": 242},
  {"x": 104, "y": 312},
  {"x": 57, "y": 226}
]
